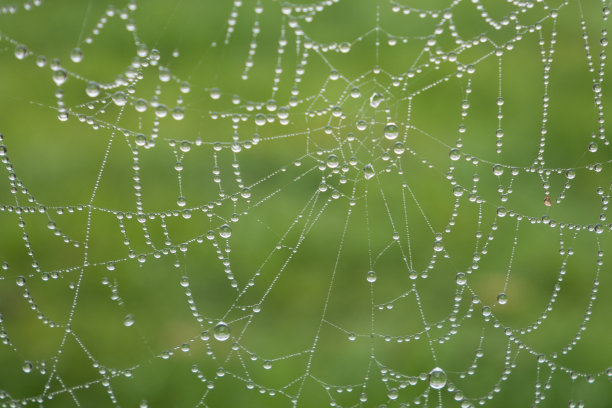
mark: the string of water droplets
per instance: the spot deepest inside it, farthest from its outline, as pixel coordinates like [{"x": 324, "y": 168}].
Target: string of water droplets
[{"x": 350, "y": 147}]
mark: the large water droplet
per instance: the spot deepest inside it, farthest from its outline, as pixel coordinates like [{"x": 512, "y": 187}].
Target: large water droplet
[
  {"x": 371, "y": 276},
  {"x": 391, "y": 131},
  {"x": 92, "y": 89},
  {"x": 437, "y": 378},
  {"x": 455, "y": 154},
  {"x": 225, "y": 231},
  {"x": 221, "y": 331},
  {"x": 27, "y": 367}
]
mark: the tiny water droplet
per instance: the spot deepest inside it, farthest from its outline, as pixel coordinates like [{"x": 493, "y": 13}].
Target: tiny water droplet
[
  {"x": 27, "y": 367},
  {"x": 371, "y": 276},
  {"x": 502, "y": 298},
  {"x": 60, "y": 76}
]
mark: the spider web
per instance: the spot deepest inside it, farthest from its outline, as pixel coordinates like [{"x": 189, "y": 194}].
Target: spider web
[{"x": 343, "y": 203}]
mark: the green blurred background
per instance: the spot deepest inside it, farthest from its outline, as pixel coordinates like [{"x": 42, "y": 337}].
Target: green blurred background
[{"x": 299, "y": 255}]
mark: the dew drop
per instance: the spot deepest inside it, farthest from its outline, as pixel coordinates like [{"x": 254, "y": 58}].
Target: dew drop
[
  {"x": 221, "y": 331},
  {"x": 368, "y": 171},
  {"x": 371, "y": 276},
  {"x": 215, "y": 93},
  {"x": 502, "y": 298},
  {"x": 455, "y": 154},
  {"x": 27, "y": 367},
  {"x": 437, "y": 378},
  {"x": 392, "y": 394},
  {"x": 21, "y": 280},
  {"x": 376, "y": 99},
  {"x": 461, "y": 279},
  {"x": 128, "y": 321},
  {"x": 120, "y": 98},
  {"x": 76, "y": 55},
  {"x": 92, "y": 89},
  {"x": 332, "y": 161},
  {"x": 267, "y": 365},
  {"x": 570, "y": 174},
  {"x": 391, "y": 131},
  {"x": 21, "y": 51},
  {"x": 225, "y": 231},
  {"x": 60, "y": 76}
]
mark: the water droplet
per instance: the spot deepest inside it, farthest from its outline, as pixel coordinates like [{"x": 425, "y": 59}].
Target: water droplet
[
  {"x": 120, "y": 98},
  {"x": 60, "y": 76},
  {"x": 461, "y": 279},
  {"x": 267, "y": 365},
  {"x": 225, "y": 231},
  {"x": 332, "y": 161},
  {"x": 593, "y": 147},
  {"x": 76, "y": 55},
  {"x": 141, "y": 105},
  {"x": 392, "y": 394},
  {"x": 21, "y": 280},
  {"x": 502, "y": 298},
  {"x": 457, "y": 191},
  {"x": 371, "y": 276},
  {"x": 455, "y": 154},
  {"x": 352, "y": 336},
  {"x": 221, "y": 331},
  {"x": 368, "y": 171},
  {"x": 498, "y": 170},
  {"x": 215, "y": 93},
  {"x": 376, "y": 99},
  {"x": 345, "y": 47},
  {"x": 128, "y": 320},
  {"x": 93, "y": 89},
  {"x": 391, "y": 131},
  {"x": 486, "y": 311},
  {"x": 27, "y": 367},
  {"x": 437, "y": 378},
  {"x": 21, "y": 51},
  {"x": 570, "y": 174}
]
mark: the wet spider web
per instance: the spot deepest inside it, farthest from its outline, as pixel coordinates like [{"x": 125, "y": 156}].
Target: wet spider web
[{"x": 343, "y": 203}]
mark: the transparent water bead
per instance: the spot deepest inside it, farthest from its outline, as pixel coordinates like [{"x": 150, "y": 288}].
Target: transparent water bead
[
  {"x": 93, "y": 89},
  {"x": 454, "y": 154},
  {"x": 368, "y": 171},
  {"x": 437, "y": 378},
  {"x": 128, "y": 321},
  {"x": 21, "y": 51},
  {"x": 371, "y": 276},
  {"x": 27, "y": 367},
  {"x": 221, "y": 331},
  {"x": 391, "y": 131},
  {"x": 225, "y": 231},
  {"x": 76, "y": 55},
  {"x": 502, "y": 298},
  {"x": 376, "y": 99},
  {"x": 60, "y": 76}
]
